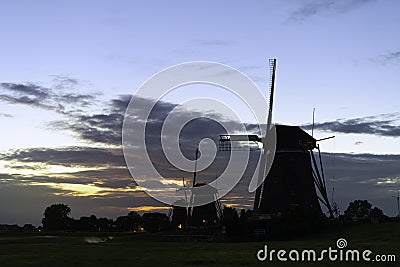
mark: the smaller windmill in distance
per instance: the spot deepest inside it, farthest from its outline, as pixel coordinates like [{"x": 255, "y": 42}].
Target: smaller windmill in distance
[{"x": 187, "y": 215}]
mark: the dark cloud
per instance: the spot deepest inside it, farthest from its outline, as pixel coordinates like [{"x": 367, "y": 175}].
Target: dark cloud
[
  {"x": 23, "y": 167},
  {"x": 384, "y": 125},
  {"x": 65, "y": 81},
  {"x": 6, "y": 115},
  {"x": 361, "y": 167},
  {"x": 54, "y": 98},
  {"x": 199, "y": 127},
  {"x": 26, "y": 94},
  {"x": 83, "y": 100},
  {"x": 387, "y": 58},
  {"x": 311, "y": 8},
  {"x": 110, "y": 180},
  {"x": 26, "y": 100},
  {"x": 363, "y": 176},
  {"x": 104, "y": 127},
  {"x": 28, "y": 89},
  {"x": 69, "y": 156},
  {"x": 314, "y": 7}
]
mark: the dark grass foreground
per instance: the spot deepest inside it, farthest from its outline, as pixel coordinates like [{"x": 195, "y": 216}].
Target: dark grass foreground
[{"x": 130, "y": 249}]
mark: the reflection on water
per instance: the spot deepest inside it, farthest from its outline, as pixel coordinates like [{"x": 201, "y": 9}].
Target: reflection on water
[
  {"x": 96, "y": 240},
  {"x": 37, "y": 238}
]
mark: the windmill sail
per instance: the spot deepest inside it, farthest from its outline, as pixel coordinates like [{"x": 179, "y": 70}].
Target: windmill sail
[{"x": 264, "y": 152}]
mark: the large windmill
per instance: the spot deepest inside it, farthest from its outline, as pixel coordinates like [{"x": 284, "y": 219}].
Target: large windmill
[{"x": 296, "y": 179}]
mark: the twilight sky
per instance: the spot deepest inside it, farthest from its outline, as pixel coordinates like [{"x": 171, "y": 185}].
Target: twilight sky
[{"x": 69, "y": 68}]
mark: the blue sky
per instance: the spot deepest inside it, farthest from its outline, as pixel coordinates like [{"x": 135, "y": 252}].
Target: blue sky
[{"x": 341, "y": 57}]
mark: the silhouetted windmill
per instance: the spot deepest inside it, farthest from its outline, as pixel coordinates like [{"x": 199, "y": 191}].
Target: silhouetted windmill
[
  {"x": 295, "y": 173},
  {"x": 194, "y": 216},
  {"x": 179, "y": 212}
]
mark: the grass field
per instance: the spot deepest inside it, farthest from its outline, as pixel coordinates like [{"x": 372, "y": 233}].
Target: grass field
[{"x": 149, "y": 250}]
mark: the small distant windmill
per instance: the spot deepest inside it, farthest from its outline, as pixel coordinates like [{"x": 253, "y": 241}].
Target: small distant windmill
[
  {"x": 193, "y": 216},
  {"x": 179, "y": 211}
]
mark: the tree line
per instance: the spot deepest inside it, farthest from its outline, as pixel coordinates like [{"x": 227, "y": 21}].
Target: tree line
[{"x": 58, "y": 217}]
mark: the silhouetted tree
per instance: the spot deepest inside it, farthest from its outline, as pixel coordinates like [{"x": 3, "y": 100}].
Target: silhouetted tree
[
  {"x": 155, "y": 221},
  {"x": 56, "y": 217},
  {"x": 131, "y": 222},
  {"x": 104, "y": 224},
  {"x": 135, "y": 220},
  {"x": 376, "y": 215},
  {"x": 29, "y": 228},
  {"x": 376, "y": 212},
  {"x": 358, "y": 209},
  {"x": 242, "y": 214},
  {"x": 10, "y": 228},
  {"x": 87, "y": 223},
  {"x": 231, "y": 221},
  {"x": 245, "y": 215},
  {"x": 134, "y": 215}
]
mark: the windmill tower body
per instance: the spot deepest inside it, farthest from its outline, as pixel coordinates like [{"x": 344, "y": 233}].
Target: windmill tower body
[
  {"x": 179, "y": 214},
  {"x": 198, "y": 217},
  {"x": 289, "y": 184},
  {"x": 207, "y": 214}
]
